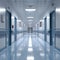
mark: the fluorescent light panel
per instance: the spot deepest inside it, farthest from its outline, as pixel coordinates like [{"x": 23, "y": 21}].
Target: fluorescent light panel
[
  {"x": 2, "y": 9},
  {"x": 30, "y": 10}
]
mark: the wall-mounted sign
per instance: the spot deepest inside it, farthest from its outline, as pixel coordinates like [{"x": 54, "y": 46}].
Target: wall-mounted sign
[
  {"x": 20, "y": 25},
  {"x": 1, "y": 18},
  {"x": 40, "y": 23}
]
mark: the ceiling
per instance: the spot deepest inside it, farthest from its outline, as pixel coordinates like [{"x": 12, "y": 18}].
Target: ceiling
[{"x": 41, "y": 7}]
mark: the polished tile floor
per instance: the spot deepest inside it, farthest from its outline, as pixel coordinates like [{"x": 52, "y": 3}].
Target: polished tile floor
[{"x": 30, "y": 47}]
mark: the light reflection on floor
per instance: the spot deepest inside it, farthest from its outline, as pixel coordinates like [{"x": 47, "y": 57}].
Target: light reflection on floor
[{"x": 30, "y": 47}]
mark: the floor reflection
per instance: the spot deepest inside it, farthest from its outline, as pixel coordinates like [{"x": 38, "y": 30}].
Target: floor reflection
[{"x": 30, "y": 47}]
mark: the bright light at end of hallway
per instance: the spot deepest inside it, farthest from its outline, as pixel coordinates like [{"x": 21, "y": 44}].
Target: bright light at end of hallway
[{"x": 30, "y": 57}]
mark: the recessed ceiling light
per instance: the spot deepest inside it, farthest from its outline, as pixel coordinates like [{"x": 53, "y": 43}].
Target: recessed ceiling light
[
  {"x": 2, "y": 9},
  {"x": 30, "y": 10},
  {"x": 30, "y": 17},
  {"x": 57, "y": 9}
]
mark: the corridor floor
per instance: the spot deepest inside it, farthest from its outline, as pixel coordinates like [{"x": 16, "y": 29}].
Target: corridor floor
[{"x": 30, "y": 47}]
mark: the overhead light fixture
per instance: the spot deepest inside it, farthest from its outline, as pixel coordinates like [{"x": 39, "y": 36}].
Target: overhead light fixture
[
  {"x": 30, "y": 10},
  {"x": 57, "y": 9},
  {"x": 30, "y": 17},
  {"x": 2, "y": 9}
]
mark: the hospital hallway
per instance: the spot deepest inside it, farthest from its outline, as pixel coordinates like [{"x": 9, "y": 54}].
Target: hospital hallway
[
  {"x": 29, "y": 29},
  {"x": 30, "y": 47}
]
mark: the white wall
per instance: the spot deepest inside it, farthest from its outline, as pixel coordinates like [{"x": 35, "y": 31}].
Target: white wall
[
  {"x": 2, "y": 43},
  {"x": 58, "y": 42},
  {"x": 58, "y": 29},
  {"x": 57, "y": 20},
  {"x": 19, "y": 25},
  {"x": 57, "y": 4},
  {"x": 5, "y": 4},
  {"x": 48, "y": 23},
  {"x": 2, "y": 28},
  {"x": 19, "y": 28},
  {"x": 2, "y": 20},
  {"x": 42, "y": 26},
  {"x": 47, "y": 26}
]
